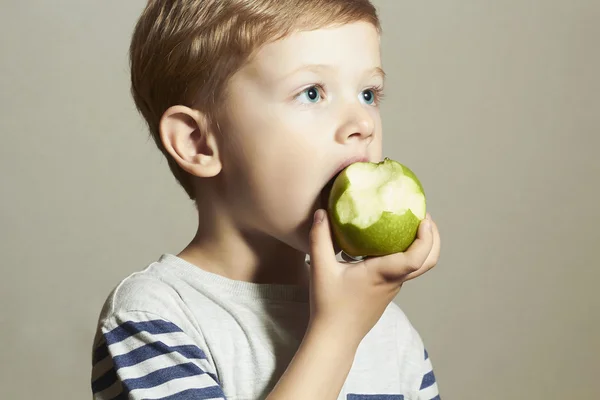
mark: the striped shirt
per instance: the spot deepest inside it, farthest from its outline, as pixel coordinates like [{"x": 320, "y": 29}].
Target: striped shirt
[{"x": 174, "y": 331}]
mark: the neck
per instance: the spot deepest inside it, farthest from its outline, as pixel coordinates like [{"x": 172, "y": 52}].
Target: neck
[{"x": 223, "y": 248}]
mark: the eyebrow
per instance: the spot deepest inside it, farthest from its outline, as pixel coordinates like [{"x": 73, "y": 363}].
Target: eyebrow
[{"x": 377, "y": 71}]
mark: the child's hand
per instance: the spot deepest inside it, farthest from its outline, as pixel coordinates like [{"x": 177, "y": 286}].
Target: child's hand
[{"x": 349, "y": 298}]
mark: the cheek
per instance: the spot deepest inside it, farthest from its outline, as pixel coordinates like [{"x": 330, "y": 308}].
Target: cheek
[
  {"x": 287, "y": 188},
  {"x": 274, "y": 178},
  {"x": 375, "y": 149},
  {"x": 274, "y": 160}
]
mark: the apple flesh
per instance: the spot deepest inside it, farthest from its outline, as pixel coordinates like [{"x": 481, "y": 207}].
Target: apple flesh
[{"x": 375, "y": 208}]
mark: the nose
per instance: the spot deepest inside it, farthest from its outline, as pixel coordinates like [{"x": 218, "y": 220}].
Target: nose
[{"x": 357, "y": 124}]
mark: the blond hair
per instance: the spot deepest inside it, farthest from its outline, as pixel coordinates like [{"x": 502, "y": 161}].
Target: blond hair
[{"x": 184, "y": 51}]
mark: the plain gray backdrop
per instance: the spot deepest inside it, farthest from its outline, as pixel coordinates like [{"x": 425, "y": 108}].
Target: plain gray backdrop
[{"x": 494, "y": 104}]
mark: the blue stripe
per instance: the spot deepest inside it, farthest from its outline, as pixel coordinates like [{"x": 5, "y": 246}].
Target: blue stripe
[
  {"x": 110, "y": 377},
  {"x": 426, "y": 355},
  {"x": 156, "y": 349},
  {"x": 105, "y": 381},
  {"x": 130, "y": 328},
  {"x": 211, "y": 392},
  {"x": 100, "y": 353},
  {"x": 428, "y": 380},
  {"x": 161, "y": 376},
  {"x": 437, "y": 397},
  {"x": 353, "y": 396}
]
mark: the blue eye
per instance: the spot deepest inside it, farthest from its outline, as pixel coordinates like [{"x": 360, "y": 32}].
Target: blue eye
[
  {"x": 311, "y": 94},
  {"x": 368, "y": 96}
]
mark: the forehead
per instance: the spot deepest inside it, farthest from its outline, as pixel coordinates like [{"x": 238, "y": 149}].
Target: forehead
[{"x": 353, "y": 46}]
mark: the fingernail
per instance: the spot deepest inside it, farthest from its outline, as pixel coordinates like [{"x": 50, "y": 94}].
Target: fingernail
[
  {"x": 318, "y": 217},
  {"x": 428, "y": 226}
]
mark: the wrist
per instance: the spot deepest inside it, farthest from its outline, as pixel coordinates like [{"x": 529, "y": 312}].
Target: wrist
[{"x": 334, "y": 337}]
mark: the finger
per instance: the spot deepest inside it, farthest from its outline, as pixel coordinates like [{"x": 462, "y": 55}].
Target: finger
[
  {"x": 321, "y": 244},
  {"x": 398, "y": 265},
  {"x": 433, "y": 257}
]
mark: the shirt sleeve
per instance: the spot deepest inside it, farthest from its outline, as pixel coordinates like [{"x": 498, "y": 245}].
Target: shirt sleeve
[
  {"x": 429, "y": 388},
  {"x": 138, "y": 355}
]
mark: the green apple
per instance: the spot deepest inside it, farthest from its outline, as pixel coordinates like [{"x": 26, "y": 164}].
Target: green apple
[{"x": 375, "y": 208}]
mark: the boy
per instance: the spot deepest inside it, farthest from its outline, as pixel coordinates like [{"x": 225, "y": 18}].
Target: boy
[{"x": 257, "y": 104}]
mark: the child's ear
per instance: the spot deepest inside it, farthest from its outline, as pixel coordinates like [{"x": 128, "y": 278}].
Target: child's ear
[{"x": 187, "y": 136}]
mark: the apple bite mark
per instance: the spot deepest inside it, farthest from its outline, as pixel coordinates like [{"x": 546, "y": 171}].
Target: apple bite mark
[
  {"x": 326, "y": 191},
  {"x": 374, "y": 190}
]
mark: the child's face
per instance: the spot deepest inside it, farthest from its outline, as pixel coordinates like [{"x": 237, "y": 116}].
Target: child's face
[{"x": 300, "y": 108}]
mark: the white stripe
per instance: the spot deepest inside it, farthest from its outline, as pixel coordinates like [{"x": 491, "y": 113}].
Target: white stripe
[
  {"x": 429, "y": 393},
  {"x": 143, "y": 338},
  {"x": 427, "y": 367},
  {"x": 154, "y": 364},
  {"x": 174, "y": 386}
]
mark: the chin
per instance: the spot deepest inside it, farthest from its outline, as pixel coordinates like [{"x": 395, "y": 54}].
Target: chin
[{"x": 301, "y": 241}]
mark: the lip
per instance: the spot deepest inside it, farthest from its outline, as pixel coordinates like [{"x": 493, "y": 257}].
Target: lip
[{"x": 346, "y": 163}]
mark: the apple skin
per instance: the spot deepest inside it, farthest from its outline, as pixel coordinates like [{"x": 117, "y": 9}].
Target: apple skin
[{"x": 392, "y": 233}]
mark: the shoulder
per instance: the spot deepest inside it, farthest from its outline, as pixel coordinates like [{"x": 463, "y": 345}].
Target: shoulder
[
  {"x": 138, "y": 291},
  {"x": 395, "y": 321},
  {"x": 392, "y": 353},
  {"x": 395, "y": 316},
  {"x": 147, "y": 293},
  {"x": 147, "y": 342},
  {"x": 145, "y": 305}
]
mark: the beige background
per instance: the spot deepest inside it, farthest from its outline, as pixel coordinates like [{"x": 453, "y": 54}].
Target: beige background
[{"x": 494, "y": 104}]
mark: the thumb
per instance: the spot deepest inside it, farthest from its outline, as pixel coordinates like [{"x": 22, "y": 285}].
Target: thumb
[{"x": 321, "y": 245}]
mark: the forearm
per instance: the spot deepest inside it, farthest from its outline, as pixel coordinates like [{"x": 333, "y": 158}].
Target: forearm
[{"x": 319, "y": 368}]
